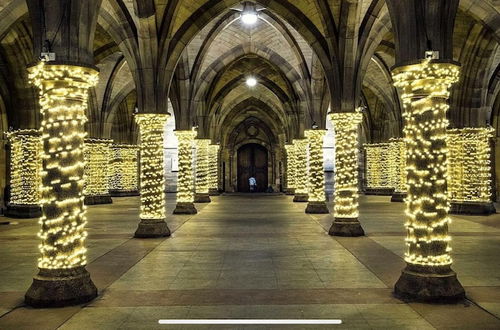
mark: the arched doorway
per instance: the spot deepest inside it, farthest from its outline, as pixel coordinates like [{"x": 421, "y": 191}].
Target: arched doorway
[{"x": 252, "y": 161}]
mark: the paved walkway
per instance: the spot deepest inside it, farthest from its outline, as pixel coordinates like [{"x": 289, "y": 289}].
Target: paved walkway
[{"x": 252, "y": 256}]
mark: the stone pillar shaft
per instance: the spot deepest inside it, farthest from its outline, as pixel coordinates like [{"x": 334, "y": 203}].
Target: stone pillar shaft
[
  {"x": 291, "y": 165},
  {"x": 316, "y": 174},
  {"x": 96, "y": 172},
  {"x": 123, "y": 180},
  {"x": 300, "y": 152},
  {"x": 152, "y": 127},
  {"x": 25, "y": 180},
  {"x": 397, "y": 159},
  {"x": 202, "y": 163},
  {"x": 346, "y": 221},
  {"x": 425, "y": 90},
  {"x": 62, "y": 279},
  {"x": 213, "y": 153},
  {"x": 185, "y": 184}
]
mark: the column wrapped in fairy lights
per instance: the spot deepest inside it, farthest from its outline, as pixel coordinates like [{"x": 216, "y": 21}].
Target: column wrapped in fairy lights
[
  {"x": 213, "y": 165},
  {"x": 290, "y": 168},
  {"x": 123, "y": 180},
  {"x": 469, "y": 170},
  {"x": 62, "y": 279},
  {"x": 346, "y": 196},
  {"x": 96, "y": 172},
  {"x": 202, "y": 162},
  {"x": 317, "y": 199},
  {"x": 185, "y": 180},
  {"x": 425, "y": 90},
  {"x": 25, "y": 179},
  {"x": 378, "y": 180},
  {"x": 152, "y": 127},
  {"x": 397, "y": 169},
  {"x": 300, "y": 152}
]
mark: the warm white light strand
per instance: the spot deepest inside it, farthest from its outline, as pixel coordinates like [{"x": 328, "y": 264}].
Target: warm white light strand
[
  {"x": 469, "y": 164},
  {"x": 316, "y": 173},
  {"x": 346, "y": 163},
  {"x": 97, "y": 154},
  {"x": 152, "y": 127},
  {"x": 25, "y": 166},
  {"x": 425, "y": 89},
  {"x": 63, "y": 103},
  {"x": 124, "y": 167},
  {"x": 185, "y": 180}
]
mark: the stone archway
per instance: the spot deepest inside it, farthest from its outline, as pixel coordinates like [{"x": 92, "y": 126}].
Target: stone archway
[{"x": 252, "y": 159}]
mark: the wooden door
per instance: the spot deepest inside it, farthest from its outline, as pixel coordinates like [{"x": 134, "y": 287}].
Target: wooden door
[{"x": 252, "y": 161}]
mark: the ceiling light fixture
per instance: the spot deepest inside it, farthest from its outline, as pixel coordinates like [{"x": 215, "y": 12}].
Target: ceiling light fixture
[
  {"x": 249, "y": 17},
  {"x": 251, "y": 82}
]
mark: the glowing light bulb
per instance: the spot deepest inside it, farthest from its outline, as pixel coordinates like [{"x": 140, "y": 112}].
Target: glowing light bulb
[
  {"x": 251, "y": 82},
  {"x": 249, "y": 18}
]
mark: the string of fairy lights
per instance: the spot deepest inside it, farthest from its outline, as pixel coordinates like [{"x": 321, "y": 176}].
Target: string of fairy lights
[
  {"x": 151, "y": 128},
  {"x": 397, "y": 165},
  {"x": 300, "y": 158},
  {"x": 123, "y": 168},
  {"x": 97, "y": 154},
  {"x": 26, "y": 163},
  {"x": 316, "y": 175},
  {"x": 291, "y": 166},
  {"x": 202, "y": 160},
  {"x": 346, "y": 160},
  {"x": 469, "y": 164},
  {"x": 63, "y": 95},
  {"x": 213, "y": 178},
  {"x": 185, "y": 180},
  {"x": 425, "y": 90},
  {"x": 378, "y": 165}
]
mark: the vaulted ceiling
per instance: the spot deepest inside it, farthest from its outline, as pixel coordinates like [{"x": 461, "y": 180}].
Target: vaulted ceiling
[{"x": 299, "y": 52}]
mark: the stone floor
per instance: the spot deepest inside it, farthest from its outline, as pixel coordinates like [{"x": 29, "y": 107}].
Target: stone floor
[{"x": 253, "y": 256}]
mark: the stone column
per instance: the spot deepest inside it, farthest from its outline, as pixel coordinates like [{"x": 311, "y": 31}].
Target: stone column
[
  {"x": 202, "y": 184},
  {"x": 151, "y": 128},
  {"x": 185, "y": 183},
  {"x": 397, "y": 160},
  {"x": 470, "y": 171},
  {"x": 317, "y": 199},
  {"x": 25, "y": 180},
  {"x": 96, "y": 172},
  {"x": 300, "y": 152},
  {"x": 346, "y": 196},
  {"x": 123, "y": 180},
  {"x": 213, "y": 154},
  {"x": 290, "y": 169},
  {"x": 425, "y": 89},
  {"x": 62, "y": 279}
]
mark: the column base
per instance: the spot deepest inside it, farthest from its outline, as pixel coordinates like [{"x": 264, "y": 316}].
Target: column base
[
  {"x": 317, "y": 208},
  {"x": 398, "y": 197},
  {"x": 152, "y": 229},
  {"x": 23, "y": 211},
  {"x": 429, "y": 284},
  {"x": 202, "y": 198},
  {"x": 347, "y": 227},
  {"x": 379, "y": 191},
  {"x": 213, "y": 192},
  {"x": 61, "y": 287},
  {"x": 290, "y": 191},
  {"x": 472, "y": 208},
  {"x": 99, "y": 199},
  {"x": 185, "y": 208},
  {"x": 300, "y": 198},
  {"x": 124, "y": 193}
]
